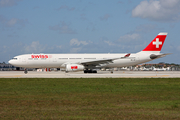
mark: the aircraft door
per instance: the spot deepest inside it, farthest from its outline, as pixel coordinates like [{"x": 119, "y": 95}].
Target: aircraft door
[
  {"x": 23, "y": 59},
  {"x": 134, "y": 59},
  {"x": 54, "y": 59}
]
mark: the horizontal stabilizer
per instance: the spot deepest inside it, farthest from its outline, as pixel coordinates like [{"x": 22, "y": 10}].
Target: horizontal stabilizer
[{"x": 153, "y": 56}]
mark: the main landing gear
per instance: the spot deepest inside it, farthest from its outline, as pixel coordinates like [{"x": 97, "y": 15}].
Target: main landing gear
[{"x": 90, "y": 71}]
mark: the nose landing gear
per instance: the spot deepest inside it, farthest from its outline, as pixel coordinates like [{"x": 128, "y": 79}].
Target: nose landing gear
[{"x": 25, "y": 71}]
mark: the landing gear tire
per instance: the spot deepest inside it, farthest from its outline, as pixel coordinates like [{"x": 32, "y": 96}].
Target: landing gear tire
[
  {"x": 25, "y": 71},
  {"x": 90, "y": 71}
]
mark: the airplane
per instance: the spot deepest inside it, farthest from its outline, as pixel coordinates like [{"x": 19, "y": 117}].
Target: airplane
[{"x": 90, "y": 62}]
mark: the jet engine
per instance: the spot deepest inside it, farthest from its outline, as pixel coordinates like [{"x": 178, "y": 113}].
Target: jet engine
[{"x": 74, "y": 67}]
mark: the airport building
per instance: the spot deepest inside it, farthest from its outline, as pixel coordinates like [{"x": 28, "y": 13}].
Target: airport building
[
  {"x": 6, "y": 67},
  {"x": 9, "y": 67},
  {"x": 142, "y": 67}
]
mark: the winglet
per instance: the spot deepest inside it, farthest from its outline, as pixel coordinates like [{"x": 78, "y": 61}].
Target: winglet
[{"x": 127, "y": 55}]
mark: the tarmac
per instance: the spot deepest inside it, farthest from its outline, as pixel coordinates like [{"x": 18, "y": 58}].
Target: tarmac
[{"x": 100, "y": 74}]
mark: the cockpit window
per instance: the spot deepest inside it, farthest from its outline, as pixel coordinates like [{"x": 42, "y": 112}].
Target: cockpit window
[{"x": 14, "y": 58}]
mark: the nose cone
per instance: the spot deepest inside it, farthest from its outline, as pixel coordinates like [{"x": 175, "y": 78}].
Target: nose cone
[{"x": 10, "y": 62}]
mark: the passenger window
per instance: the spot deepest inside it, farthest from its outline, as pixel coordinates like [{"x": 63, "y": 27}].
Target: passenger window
[{"x": 14, "y": 58}]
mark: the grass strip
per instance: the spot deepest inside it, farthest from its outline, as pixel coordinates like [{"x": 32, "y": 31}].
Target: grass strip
[{"x": 89, "y": 98}]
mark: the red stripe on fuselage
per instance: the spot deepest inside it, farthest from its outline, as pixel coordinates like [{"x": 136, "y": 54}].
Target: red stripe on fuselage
[{"x": 74, "y": 67}]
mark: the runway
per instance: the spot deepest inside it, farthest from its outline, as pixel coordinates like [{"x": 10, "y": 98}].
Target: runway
[{"x": 100, "y": 74}]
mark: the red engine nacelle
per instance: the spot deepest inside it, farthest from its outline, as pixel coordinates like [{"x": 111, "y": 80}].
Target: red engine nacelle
[{"x": 74, "y": 67}]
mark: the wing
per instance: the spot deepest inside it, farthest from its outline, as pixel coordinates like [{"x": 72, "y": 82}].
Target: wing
[{"x": 102, "y": 61}]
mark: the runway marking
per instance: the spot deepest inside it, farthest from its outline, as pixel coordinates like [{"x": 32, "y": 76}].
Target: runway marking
[
  {"x": 157, "y": 76},
  {"x": 12, "y": 76},
  {"x": 160, "y": 76},
  {"x": 17, "y": 75}
]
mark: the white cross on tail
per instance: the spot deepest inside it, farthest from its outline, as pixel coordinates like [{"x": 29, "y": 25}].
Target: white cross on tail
[{"x": 157, "y": 43}]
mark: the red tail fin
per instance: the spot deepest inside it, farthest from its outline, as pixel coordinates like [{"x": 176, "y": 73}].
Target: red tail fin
[{"x": 157, "y": 43}]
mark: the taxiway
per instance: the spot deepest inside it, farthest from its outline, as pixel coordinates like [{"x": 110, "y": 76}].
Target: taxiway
[{"x": 100, "y": 74}]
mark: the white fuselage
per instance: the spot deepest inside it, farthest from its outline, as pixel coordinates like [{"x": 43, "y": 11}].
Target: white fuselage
[{"x": 60, "y": 60}]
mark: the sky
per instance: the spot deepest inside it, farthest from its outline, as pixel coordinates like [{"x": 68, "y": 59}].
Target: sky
[{"x": 88, "y": 26}]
